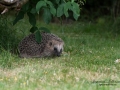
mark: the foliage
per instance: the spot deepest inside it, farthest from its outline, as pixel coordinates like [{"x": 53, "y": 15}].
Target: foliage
[{"x": 49, "y": 8}]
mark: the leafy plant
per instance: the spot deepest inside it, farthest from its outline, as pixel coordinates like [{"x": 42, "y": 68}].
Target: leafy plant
[{"x": 50, "y": 8}]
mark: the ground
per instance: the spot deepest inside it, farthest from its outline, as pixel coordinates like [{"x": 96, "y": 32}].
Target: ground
[{"x": 87, "y": 63}]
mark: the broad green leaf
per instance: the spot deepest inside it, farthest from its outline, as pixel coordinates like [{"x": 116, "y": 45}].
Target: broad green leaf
[
  {"x": 32, "y": 18},
  {"x": 33, "y": 29},
  {"x": 57, "y": 1},
  {"x": 33, "y": 10},
  {"x": 49, "y": 3},
  {"x": 39, "y": 5},
  {"x": 47, "y": 15},
  {"x": 76, "y": 10},
  {"x": 60, "y": 11},
  {"x": 44, "y": 29},
  {"x": 52, "y": 9},
  {"x": 19, "y": 17},
  {"x": 76, "y": 7},
  {"x": 75, "y": 16},
  {"x": 67, "y": 7},
  {"x": 38, "y": 36},
  {"x": 72, "y": 1}
]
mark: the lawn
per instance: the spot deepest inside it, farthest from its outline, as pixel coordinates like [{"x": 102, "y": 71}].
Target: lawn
[{"x": 87, "y": 63}]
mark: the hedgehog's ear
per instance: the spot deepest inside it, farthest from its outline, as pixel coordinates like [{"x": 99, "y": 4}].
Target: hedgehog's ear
[{"x": 50, "y": 43}]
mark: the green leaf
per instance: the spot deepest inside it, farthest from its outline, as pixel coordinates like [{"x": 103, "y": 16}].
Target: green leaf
[
  {"x": 72, "y": 1},
  {"x": 52, "y": 9},
  {"x": 67, "y": 7},
  {"x": 33, "y": 10},
  {"x": 32, "y": 18},
  {"x": 38, "y": 36},
  {"x": 76, "y": 10},
  {"x": 44, "y": 29},
  {"x": 33, "y": 29},
  {"x": 76, "y": 7},
  {"x": 57, "y": 1},
  {"x": 75, "y": 16},
  {"x": 19, "y": 17},
  {"x": 60, "y": 11},
  {"x": 39, "y": 5},
  {"x": 49, "y": 3},
  {"x": 47, "y": 15}
]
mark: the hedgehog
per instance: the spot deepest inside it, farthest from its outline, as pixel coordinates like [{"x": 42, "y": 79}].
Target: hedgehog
[{"x": 50, "y": 46}]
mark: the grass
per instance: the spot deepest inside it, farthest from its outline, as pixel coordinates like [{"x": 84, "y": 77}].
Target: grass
[{"x": 88, "y": 60}]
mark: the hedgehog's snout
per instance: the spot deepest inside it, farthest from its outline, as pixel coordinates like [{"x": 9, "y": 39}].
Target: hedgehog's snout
[{"x": 57, "y": 51}]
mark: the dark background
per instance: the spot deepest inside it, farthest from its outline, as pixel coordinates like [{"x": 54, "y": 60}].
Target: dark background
[{"x": 92, "y": 9}]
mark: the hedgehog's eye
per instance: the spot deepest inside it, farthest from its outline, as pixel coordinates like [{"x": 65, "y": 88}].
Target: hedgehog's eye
[{"x": 50, "y": 43}]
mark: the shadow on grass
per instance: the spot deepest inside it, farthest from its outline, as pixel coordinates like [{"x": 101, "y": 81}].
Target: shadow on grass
[
  {"x": 8, "y": 37},
  {"x": 9, "y": 40}
]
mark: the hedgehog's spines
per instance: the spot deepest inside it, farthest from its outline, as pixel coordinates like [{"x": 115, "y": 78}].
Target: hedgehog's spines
[{"x": 28, "y": 47}]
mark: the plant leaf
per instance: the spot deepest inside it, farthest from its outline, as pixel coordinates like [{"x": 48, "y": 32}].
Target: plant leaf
[
  {"x": 44, "y": 29},
  {"x": 32, "y": 18},
  {"x": 57, "y": 1},
  {"x": 67, "y": 7},
  {"x": 19, "y": 17},
  {"x": 38, "y": 36},
  {"x": 47, "y": 15},
  {"x": 75, "y": 16},
  {"x": 33, "y": 29},
  {"x": 76, "y": 10},
  {"x": 52, "y": 9},
  {"x": 33, "y": 10},
  {"x": 76, "y": 7},
  {"x": 39, "y": 5},
  {"x": 60, "y": 11}
]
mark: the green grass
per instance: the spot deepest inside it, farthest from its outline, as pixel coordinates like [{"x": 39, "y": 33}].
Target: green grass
[{"x": 89, "y": 58}]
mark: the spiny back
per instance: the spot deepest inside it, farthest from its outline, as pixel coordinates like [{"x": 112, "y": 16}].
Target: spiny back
[
  {"x": 48, "y": 36},
  {"x": 28, "y": 47}
]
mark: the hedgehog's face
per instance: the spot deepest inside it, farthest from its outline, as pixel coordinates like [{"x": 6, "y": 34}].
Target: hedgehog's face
[{"x": 54, "y": 48}]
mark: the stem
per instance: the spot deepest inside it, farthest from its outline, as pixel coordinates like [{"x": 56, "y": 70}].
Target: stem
[{"x": 61, "y": 23}]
